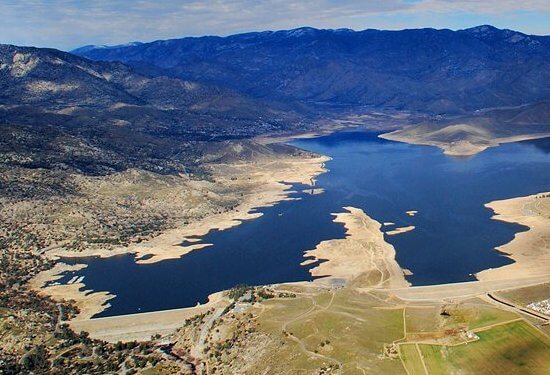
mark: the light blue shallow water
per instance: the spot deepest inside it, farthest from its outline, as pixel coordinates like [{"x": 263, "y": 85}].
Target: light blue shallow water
[{"x": 454, "y": 235}]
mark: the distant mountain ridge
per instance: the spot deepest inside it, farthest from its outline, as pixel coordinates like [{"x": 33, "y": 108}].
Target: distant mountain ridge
[
  {"x": 91, "y": 47},
  {"x": 437, "y": 71}
]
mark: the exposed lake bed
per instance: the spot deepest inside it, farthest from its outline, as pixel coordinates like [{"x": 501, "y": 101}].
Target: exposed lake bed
[{"x": 442, "y": 197}]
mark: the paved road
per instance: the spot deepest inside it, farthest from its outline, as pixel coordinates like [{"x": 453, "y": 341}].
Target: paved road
[
  {"x": 517, "y": 307},
  {"x": 198, "y": 350},
  {"x": 461, "y": 290}
]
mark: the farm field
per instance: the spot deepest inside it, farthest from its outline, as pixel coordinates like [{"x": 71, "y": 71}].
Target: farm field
[{"x": 513, "y": 348}]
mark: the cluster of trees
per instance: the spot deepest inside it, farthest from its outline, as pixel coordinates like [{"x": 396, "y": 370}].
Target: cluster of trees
[
  {"x": 256, "y": 293},
  {"x": 35, "y": 359},
  {"x": 238, "y": 291},
  {"x": 221, "y": 353},
  {"x": 78, "y": 353}
]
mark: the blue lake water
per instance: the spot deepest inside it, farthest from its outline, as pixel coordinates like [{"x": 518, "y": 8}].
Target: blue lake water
[{"x": 454, "y": 236}]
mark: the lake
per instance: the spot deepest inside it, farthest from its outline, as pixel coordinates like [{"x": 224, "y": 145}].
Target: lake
[{"x": 454, "y": 236}]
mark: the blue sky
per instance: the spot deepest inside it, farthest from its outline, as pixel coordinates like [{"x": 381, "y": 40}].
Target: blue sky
[{"x": 67, "y": 24}]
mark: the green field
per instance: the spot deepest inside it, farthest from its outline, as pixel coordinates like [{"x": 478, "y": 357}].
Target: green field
[
  {"x": 514, "y": 348},
  {"x": 360, "y": 332},
  {"x": 411, "y": 359},
  {"x": 428, "y": 324},
  {"x": 347, "y": 328},
  {"x": 477, "y": 314}
]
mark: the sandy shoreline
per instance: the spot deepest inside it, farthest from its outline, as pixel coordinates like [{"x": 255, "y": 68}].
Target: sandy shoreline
[
  {"x": 530, "y": 250},
  {"x": 142, "y": 326},
  {"x": 88, "y": 302},
  {"x": 400, "y": 230},
  {"x": 272, "y": 178},
  {"x": 458, "y": 148},
  {"x": 363, "y": 257}
]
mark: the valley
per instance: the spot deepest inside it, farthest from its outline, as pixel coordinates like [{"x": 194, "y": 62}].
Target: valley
[{"x": 298, "y": 201}]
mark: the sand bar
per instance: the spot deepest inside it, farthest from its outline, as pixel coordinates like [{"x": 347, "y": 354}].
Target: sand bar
[
  {"x": 314, "y": 191},
  {"x": 530, "y": 249},
  {"x": 400, "y": 230},
  {"x": 362, "y": 257},
  {"x": 477, "y": 140}
]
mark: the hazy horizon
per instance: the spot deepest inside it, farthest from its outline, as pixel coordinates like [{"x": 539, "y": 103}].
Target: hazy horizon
[
  {"x": 44, "y": 23},
  {"x": 296, "y": 28}
]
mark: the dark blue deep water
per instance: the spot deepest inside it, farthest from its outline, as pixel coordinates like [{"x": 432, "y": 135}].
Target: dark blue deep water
[{"x": 454, "y": 236}]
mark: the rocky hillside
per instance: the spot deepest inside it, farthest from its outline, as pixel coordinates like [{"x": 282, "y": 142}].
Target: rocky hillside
[
  {"x": 94, "y": 155},
  {"x": 438, "y": 71},
  {"x": 58, "y": 110}
]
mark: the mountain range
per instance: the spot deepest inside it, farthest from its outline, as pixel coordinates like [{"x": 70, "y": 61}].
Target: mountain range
[
  {"x": 148, "y": 146},
  {"x": 436, "y": 71},
  {"x": 155, "y": 106}
]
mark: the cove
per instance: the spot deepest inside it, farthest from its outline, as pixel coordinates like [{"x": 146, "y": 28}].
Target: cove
[{"x": 454, "y": 236}]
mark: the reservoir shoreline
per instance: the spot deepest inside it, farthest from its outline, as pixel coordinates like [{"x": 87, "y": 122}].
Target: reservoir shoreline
[
  {"x": 314, "y": 167},
  {"x": 274, "y": 179},
  {"x": 529, "y": 249}
]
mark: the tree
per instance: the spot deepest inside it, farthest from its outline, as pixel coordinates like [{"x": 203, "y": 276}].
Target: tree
[{"x": 35, "y": 359}]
